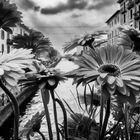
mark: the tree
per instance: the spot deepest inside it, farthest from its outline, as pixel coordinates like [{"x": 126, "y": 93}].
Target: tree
[
  {"x": 34, "y": 40},
  {"x": 9, "y": 15}
]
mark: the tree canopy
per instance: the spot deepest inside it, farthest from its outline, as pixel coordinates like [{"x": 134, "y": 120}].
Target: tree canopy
[{"x": 9, "y": 15}]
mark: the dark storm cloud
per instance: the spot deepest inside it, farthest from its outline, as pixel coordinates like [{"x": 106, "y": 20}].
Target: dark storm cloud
[
  {"x": 101, "y": 4},
  {"x": 77, "y": 4},
  {"x": 26, "y": 4},
  {"x": 61, "y": 7}
]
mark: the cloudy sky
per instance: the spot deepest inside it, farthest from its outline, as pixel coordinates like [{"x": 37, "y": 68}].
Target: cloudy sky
[{"x": 62, "y": 20}]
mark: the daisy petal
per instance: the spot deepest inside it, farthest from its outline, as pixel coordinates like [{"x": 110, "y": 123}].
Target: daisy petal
[
  {"x": 111, "y": 80},
  {"x": 119, "y": 82},
  {"x": 1, "y": 71}
]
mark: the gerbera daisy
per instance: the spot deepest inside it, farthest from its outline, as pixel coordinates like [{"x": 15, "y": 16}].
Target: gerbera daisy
[
  {"x": 12, "y": 65},
  {"x": 129, "y": 37},
  {"x": 89, "y": 40},
  {"x": 114, "y": 67},
  {"x": 40, "y": 75}
]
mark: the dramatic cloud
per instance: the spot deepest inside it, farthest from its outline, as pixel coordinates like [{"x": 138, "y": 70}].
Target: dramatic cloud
[
  {"x": 25, "y": 4},
  {"x": 61, "y": 7},
  {"x": 77, "y": 4},
  {"x": 62, "y": 20},
  {"x": 101, "y": 4}
]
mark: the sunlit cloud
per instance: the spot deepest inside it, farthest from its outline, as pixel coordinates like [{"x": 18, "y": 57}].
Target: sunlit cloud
[{"x": 75, "y": 19}]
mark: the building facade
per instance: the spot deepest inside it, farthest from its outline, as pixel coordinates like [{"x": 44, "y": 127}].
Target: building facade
[
  {"x": 5, "y": 37},
  {"x": 129, "y": 14},
  {"x": 113, "y": 22}
]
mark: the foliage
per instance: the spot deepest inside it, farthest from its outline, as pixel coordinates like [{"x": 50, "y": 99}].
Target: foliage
[
  {"x": 81, "y": 126},
  {"x": 52, "y": 59},
  {"x": 34, "y": 40},
  {"x": 9, "y": 15},
  {"x": 33, "y": 125}
]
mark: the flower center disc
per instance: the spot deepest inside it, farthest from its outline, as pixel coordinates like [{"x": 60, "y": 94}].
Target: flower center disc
[{"x": 110, "y": 69}]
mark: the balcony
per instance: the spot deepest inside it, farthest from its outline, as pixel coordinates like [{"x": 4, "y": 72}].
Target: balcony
[
  {"x": 119, "y": 1},
  {"x": 123, "y": 10},
  {"x": 130, "y": 4},
  {"x": 137, "y": 15},
  {"x": 137, "y": 1}
]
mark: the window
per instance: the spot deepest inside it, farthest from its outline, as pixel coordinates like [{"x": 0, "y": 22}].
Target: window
[
  {"x": 118, "y": 19},
  {"x": 2, "y": 48},
  {"x": 136, "y": 24},
  {"x": 21, "y": 31},
  {"x": 124, "y": 5},
  {"x": 2, "y": 35},
  {"x": 115, "y": 21},
  {"x": 108, "y": 36},
  {"x": 124, "y": 18},
  {"x": 115, "y": 32},
  {"x": 8, "y": 36},
  {"x": 131, "y": 13},
  {"x": 8, "y": 48}
]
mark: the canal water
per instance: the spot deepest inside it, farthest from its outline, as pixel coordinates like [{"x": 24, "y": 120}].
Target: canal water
[{"x": 65, "y": 90}]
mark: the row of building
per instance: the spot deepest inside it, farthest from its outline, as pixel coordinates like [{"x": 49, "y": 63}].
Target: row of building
[
  {"x": 5, "y": 37},
  {"x": 128, "y": 14}
]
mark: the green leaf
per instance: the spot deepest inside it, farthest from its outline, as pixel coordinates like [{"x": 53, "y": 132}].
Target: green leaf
[{"x": 124, "y": 99}]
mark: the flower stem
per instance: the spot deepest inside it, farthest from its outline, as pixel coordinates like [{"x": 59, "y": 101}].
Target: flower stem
[
  {"x": 101, "y": 111},
  {"x": 126, "y": 117},
  {"x": 103, "y": 130},
  {"x": 65, "y": 117},
  {"x": 43, "y": 137},
  {"x": 55, "y": 114},
  {"x": 28, "y": 136},
  {"x": 44, "y": 96},
  {"x": 15, "y": 108}
]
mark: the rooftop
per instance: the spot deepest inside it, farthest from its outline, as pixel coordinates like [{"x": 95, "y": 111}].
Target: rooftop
[{"x": 117, "y": 12}]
